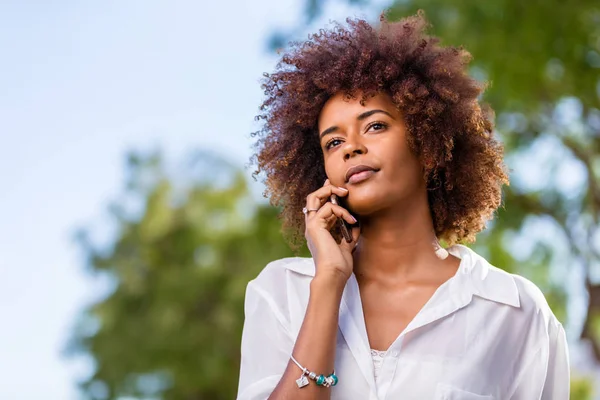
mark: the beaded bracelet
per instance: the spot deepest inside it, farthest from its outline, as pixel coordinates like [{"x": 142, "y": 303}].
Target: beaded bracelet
[{"x": 321, "y": 380}]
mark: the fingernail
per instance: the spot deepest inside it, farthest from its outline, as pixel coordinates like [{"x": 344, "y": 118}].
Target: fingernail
[
  {"x": 343, "y": 188},
  {"x": 354, "y": 219}
]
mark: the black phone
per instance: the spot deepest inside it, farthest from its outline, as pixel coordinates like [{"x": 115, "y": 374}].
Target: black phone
[{"x": 344, "y": 227}]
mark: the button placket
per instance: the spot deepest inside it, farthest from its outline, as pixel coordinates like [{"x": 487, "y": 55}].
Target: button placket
[
  {"x": 378, "y": 356},
  {"x": 387, "y": 372},
  {"x": 388, "y": 369}
]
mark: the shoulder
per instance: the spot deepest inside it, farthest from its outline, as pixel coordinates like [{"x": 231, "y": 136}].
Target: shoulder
[
  {"x": 516, "y": 290},
  {"x": 533, "y": 301},
  {"x": 277, "y": 270},
  {"x": 282, "y": 288},
  {"x": 277, "y": 276}
]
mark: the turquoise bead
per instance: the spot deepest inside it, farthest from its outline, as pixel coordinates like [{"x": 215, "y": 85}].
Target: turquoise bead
[
  {"x": 335, "y": 379},
  {"x": 320, "y": 380}
]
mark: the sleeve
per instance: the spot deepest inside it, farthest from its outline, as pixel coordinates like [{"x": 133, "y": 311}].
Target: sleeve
[
  {"x": 266, "y": 345},
  {"x": 557, "y": 383},
  {"x": 546, "y": 375}
]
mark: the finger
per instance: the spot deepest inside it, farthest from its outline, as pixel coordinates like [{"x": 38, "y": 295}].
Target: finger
[
  {"x": 343, "y": 213},
  {"x": 314, "y": 202},
  {"x": 330, "y": 209},
  {"x": 352, "y": 245},
  {"x": 322, "y": 195},
  {"x": 355, "y": 233},
  {"x": 327, "y": 222},
  {"x": 331, "y": 220}
]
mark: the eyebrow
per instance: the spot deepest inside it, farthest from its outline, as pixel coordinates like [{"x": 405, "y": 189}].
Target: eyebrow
[{"x": 362, "y": 116}]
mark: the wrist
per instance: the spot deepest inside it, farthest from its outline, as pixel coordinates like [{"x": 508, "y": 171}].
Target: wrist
[{"x": 333, "y": 280}]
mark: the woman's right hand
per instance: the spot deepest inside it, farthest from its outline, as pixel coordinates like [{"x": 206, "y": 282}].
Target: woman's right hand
[{"x": 331, "y": 259}]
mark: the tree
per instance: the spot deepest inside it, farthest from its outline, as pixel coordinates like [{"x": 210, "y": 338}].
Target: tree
[{"x": 171, "y": 328}]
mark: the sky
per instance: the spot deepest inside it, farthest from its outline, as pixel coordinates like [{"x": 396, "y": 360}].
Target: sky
[{"x": 81, "y": 84}]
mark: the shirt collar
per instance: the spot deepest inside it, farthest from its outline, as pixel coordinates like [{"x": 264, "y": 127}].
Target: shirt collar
[
  {"x": 483, "y": 279},
  {"x": 475, "y": 276}
]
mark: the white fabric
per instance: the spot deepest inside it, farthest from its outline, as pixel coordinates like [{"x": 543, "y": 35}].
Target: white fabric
[
  {"x": 377, "y": 356},
  {"x": 484, "y": 334}
]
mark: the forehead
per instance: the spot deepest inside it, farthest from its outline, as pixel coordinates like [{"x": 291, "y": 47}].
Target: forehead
[{"x": 338, "y": 108}]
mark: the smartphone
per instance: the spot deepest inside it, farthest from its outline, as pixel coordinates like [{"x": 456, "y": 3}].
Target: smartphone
[{"x": 342, "y": 224}]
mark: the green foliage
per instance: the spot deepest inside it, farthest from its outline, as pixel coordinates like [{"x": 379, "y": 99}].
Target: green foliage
[
  {"x": 581, "y": 388},
  {"x": 171, "y": 328}
]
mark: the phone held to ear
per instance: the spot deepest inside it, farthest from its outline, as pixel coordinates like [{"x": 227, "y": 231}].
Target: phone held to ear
[{"x": 343, "y": 225}]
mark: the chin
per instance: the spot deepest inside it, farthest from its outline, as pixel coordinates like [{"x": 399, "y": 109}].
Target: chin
[{"x": 366, "y": 204}]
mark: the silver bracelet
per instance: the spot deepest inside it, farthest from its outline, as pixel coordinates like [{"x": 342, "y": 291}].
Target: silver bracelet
[{"x": 320, "y": 380}]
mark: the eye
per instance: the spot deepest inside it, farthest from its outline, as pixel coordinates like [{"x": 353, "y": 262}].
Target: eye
[
  {"x": 328, "y": 145},
  {"x": 377, "y": 126}
]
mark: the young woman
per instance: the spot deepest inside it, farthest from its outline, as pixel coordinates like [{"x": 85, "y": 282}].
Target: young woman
[{"x": 389, "y": 121}]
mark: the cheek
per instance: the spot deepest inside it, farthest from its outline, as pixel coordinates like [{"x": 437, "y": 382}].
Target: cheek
[
  {"x": 404, "y": 167},
  {"x": 399, "y": 158},
  {"x": 335, "y": 173}
]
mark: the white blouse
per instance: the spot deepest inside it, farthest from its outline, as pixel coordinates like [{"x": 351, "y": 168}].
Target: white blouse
[{"x": 484, "y": 334}]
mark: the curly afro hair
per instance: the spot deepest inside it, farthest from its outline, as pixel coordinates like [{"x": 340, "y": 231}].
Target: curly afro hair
[{"x": 447, "y": 128}]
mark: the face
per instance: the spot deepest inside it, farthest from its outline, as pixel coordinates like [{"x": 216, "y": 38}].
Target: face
[{"x": 373, "y": 135}]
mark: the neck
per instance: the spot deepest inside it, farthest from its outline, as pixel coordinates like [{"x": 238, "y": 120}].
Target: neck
[{"x": 397, "y": 245}]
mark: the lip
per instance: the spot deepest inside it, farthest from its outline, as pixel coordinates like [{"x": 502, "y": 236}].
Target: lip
[{"x": 358, "y": 169}]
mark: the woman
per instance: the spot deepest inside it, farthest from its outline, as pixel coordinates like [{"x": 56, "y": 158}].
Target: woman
[{"x": 388, "y": 120}]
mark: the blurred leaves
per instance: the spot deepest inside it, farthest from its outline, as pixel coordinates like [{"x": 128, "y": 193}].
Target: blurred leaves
[
  {"x": 172, "y": 325},
  {"x": 581, "y": 388}
]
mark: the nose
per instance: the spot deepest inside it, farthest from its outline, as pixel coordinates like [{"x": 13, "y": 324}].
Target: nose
[{"x": 353, "y": 147}]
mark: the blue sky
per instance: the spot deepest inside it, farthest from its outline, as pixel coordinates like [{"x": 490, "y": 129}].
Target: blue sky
[{"x": 80, "y": 84}]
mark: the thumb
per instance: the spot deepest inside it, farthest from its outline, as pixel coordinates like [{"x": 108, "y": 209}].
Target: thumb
[{"x": 352, "y": 245}]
